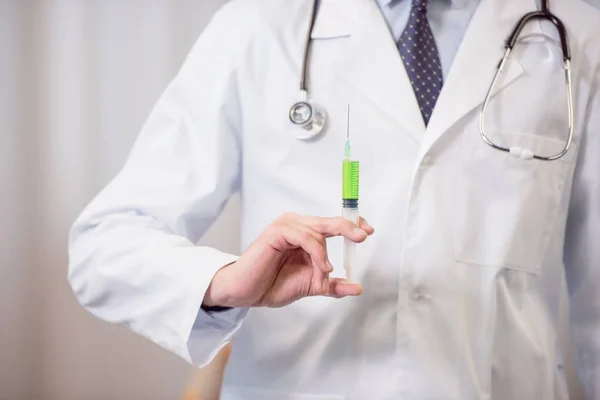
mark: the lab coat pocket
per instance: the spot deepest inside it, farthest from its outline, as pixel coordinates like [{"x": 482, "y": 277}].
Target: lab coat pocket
[{"x": 508, "y": 207}]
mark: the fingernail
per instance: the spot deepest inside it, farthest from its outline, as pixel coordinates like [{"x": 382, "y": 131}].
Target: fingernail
[
  {"x": 329, "y": 266},
  {"x": 325, "y": 284}
]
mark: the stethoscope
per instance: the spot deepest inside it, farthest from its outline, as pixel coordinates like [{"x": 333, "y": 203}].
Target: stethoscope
[
  {"x": 311, "y": 118},
  {"x": 543, "y": 14}
]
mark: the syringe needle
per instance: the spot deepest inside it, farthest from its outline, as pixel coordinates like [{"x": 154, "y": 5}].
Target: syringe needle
[
  {"x": 348, "y": 150},
  {"x": 348, "y": 123}
]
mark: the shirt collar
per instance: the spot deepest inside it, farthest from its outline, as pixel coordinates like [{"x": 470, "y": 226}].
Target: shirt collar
[{"x": 455, "y": 3}]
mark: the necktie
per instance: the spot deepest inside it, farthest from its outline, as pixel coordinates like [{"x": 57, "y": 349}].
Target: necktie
[{"x": 421, "y": 58}]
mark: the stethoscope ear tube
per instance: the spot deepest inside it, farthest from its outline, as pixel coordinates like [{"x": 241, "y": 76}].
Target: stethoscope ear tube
[{"x": 547, "y": 16}]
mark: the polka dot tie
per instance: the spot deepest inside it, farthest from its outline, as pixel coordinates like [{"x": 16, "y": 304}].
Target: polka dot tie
[{"x": 421, "y": 58}]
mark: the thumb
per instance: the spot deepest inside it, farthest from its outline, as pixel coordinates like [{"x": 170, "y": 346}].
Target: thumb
[{"x": 339, "y": 288}]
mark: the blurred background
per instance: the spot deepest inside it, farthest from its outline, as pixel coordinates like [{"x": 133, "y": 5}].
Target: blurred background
[{"x": 77, "y": 80}]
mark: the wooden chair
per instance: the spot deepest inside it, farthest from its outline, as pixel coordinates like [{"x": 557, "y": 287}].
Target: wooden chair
[{"x": 205, "y": 383}]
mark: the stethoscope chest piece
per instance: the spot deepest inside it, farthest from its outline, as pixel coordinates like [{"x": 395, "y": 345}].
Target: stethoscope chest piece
[{"x": 310, "y": 118}]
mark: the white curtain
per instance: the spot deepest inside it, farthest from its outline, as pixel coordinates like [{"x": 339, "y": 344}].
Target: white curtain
[{"x": 77, "y": 80}]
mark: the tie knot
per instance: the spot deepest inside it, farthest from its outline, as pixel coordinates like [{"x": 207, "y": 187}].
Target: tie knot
[{"x": 420, "y": 4}]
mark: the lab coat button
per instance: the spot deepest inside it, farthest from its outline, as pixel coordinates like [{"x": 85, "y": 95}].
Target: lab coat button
[
  {"x": 427, "y": 161},
  {"x": 417, "y": 295}
]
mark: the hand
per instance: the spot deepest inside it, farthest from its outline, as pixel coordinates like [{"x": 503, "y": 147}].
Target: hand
[{"x": 287, "y": 262}]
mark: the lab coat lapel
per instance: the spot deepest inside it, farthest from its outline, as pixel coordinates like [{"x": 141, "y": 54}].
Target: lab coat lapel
[
  {"x": 371, "y": 63},
  {"x": 475, "y": 64}
]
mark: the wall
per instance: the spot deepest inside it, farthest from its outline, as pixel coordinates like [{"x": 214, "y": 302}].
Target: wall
[{"x": 78, "y": 79}]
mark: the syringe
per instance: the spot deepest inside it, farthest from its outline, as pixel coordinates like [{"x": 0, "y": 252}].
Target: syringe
[{"x": 350, "y": 185}]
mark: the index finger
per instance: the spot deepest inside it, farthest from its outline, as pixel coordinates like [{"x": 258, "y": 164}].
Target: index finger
[{"x": 338, "y": 226}]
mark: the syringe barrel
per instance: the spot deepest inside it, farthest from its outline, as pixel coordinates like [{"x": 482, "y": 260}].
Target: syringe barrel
[
  {"x": 351, "y": 214},
  {"x": 350, "y": 189},
  {"x": 350, "y": 180}
]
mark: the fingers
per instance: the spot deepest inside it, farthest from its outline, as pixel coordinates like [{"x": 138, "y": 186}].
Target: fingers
[
  {"x": 322, "y": 242},
  {"x": 315, "y": 246},
  {"x": 364, "y": 225},
  {"x": 339, "y": 288},
  {"x": 310, "y": 234},
  {"x": 321, "y": 271},
  {"x": 338, "y": 226},
  {"x": 303, "y": 238}
]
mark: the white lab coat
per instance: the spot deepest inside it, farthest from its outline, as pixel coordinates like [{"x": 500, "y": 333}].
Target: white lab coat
[{"x": 462, "y": 279}]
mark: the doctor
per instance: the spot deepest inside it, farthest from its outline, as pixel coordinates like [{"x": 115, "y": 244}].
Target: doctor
[{"x": 458, "y": 290}]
